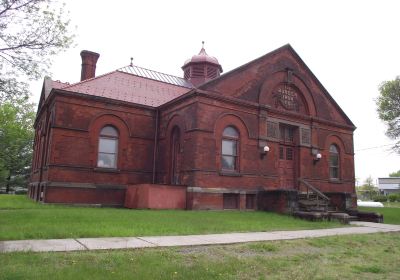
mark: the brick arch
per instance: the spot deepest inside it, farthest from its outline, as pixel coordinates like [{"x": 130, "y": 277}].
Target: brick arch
[
  {"x": 265, "y": 95},
  {"x": 333, "y": 139},
  {"x": 175, "y": 122},
  {"x": 112, "y": 118},
  {"x": 336, "y": 139},
  {"x": 234, "y": 120},
  {"x": 123, "y": 137}
]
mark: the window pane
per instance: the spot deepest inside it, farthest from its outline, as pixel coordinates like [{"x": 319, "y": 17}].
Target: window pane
[
  {"x": 334, "y": 160},
  {"x": 281, "y": 155},
  {"x": 282, "y": 133},
  {"x": 228, "y": 162},
  {"x": 231, "y": 132},
  {"x": 108, "y": 146},
  {"x": 289, "y": 134},
  {"x": 334, "y": 173},
  {"x": 229, "y": 147},
  {"x": 106, "y": 160},
  {"x": 289, "y": 154},
  {"x": 109, "y": 131},
  {"x": 333, "y": 149}
]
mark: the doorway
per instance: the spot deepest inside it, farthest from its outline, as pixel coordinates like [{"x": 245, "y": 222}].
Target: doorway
[{"x": 287, "y": 156}]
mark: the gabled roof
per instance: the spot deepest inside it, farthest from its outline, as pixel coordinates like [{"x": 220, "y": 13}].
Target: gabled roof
[
  {"x": 134, "y": 84},
  {"x": 48, "y": 85},
  {"x": 210, "y": 84}
]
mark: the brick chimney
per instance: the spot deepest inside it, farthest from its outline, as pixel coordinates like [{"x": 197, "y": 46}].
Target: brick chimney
[{"x": 89, "y": 60}]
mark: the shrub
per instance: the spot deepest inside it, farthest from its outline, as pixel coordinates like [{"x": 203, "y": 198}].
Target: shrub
[
  {"x": 393, "y": 197},
  {"x": 380, "y": 198}
]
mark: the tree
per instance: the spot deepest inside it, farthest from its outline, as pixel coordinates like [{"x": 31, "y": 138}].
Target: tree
[
  {"x": 368, "y": 190},
  {"x": 388, "y": 104},
  {"x": 395, "y": 174},
  {"x": 16, "y": 142},
  {"x": 31, "y": 32}
]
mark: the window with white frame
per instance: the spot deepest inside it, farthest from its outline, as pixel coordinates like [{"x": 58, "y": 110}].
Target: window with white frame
[
  {"x": 108, "y": 147},
  {"x": 230, "y": 147}
]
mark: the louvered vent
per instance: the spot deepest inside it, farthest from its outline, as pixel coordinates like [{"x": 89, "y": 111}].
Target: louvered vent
[
  {"x": 187, "y": 74},
  {"x": 211, "y": 72},
  {"x": 272, "y": 130},
  {"x": 197, "y": 71}
]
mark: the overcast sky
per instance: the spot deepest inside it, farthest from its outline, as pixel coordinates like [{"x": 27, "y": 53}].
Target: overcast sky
[{"x": 351, "y": 46}]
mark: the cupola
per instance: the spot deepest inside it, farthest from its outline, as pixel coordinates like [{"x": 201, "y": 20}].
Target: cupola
[{"x": 201, "y": 68}]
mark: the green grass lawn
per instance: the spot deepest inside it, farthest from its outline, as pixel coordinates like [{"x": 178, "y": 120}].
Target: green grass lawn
[
  {"x": 21, "y": 218},
  {"x": 392, "y": 204},
  {"x": 372, "y": 256}
]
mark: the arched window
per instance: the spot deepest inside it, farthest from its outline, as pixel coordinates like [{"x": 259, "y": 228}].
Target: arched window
[
  {"x": 230, "y": 147},
  {"x": 334, "y": 162},
  {"x": 108, "y": 147}
]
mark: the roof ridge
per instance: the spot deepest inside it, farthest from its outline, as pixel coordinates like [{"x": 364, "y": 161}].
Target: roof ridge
[
  {"x": 123, "y": 69},
  {"x": 155, "y": 75},
  {"x": 88, "y": 80},
  {"x": 150, "y": 70}
]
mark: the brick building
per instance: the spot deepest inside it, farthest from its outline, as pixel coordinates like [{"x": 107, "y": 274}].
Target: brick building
[{"x": 251, "y": 138}]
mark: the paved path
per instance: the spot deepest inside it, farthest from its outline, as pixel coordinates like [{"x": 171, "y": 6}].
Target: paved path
[{"x": 185, "y": 240}]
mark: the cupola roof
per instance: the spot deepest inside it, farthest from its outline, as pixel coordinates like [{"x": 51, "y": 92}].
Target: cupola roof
[{"x": 203, "y": 57}]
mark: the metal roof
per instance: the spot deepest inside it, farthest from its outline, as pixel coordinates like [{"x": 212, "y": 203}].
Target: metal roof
[
  {"x": 154, "y": 75},
  {"x": 120, "y": 85},
  {"x": 390, "y": 180}
]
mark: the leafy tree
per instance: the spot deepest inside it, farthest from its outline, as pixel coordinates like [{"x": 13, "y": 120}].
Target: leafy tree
[
  {"x": 368, "y": 190},
  {"x": 31, "y": 32},
  {"x": 395, "y": 174},
  {"x": 388, "y": 104},
  {"x": 16, "y": 141}
]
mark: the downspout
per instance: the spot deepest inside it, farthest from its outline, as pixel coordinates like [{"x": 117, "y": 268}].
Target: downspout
[
  {"x": 43, "y": 149},
  {"x": 155, "y": 148}
]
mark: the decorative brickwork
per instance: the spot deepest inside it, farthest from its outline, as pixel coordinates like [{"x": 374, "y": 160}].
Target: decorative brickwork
[{"x": 171, "y": 133}]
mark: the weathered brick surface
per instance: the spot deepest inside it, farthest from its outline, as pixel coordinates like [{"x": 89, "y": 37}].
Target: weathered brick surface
[
  {"x": 112, "y": 197},
  {"x": 151, "y": 196},
  {"x": 205, "y": 201},
  {"x": 68, "y": 126}
]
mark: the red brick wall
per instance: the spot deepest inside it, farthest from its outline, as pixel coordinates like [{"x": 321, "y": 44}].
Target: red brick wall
[
  {"x": 74, "y": 145},
  {"x": 148, "y": 196},
  {"x": 68, "y": 128},
  {"x": 205, "y": 201},
  {"x": 281, "y": 201},
  {"x": 201, "y": 143},
  {"x": 103, "y": 196}
]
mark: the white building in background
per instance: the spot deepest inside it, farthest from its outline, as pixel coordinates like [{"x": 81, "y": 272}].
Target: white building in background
[{"x": 389, "y": 185}]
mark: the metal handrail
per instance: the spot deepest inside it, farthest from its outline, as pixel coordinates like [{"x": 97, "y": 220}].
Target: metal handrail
[{"x": 317, "y": 191}]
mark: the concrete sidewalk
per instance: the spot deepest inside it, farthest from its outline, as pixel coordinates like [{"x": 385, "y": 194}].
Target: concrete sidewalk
[{"x": 185, "y": 240}]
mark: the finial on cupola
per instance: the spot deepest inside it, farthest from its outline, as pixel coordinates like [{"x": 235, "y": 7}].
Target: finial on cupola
[
  {"x": 131, "y": 61},
  {"x": 201, "y": 68}
]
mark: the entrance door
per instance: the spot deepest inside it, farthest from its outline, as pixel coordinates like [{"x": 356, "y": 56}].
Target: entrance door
[
  {"x": 175, "y": 156},
  {"x": 287, "y": 152}
]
